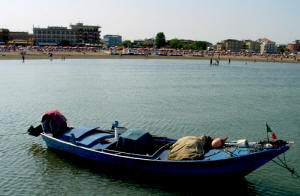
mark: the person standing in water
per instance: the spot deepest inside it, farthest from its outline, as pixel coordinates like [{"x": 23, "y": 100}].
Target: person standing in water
[
  {"x": 50, "y": 56},
  {"x": 23, "y": 56}
]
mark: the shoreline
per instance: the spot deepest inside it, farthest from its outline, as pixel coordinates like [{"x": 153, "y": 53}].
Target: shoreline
[{"x": 102, "y": 55}]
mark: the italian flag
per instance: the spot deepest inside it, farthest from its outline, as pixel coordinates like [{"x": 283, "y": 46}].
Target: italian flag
[{"x": 269, "y": 130}]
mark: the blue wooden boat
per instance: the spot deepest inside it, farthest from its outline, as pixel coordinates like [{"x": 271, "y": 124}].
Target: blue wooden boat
[{"x": 140, "y": 151}]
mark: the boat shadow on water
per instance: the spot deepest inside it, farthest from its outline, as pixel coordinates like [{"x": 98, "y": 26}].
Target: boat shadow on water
[{"x": 148, "y": 181}]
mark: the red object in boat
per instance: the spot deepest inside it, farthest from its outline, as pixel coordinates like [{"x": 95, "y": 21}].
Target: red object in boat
[{"x": 56, "y": 116}]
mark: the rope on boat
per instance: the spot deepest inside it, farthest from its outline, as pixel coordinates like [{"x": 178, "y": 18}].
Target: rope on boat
[
  {"x": 283, "y": 164},
  {"x": 218, "y": 151},
  {"x": 231, "y": 153}
]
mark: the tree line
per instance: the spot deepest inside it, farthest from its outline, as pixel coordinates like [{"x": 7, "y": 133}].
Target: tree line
[{"x": 161, "y": 42}]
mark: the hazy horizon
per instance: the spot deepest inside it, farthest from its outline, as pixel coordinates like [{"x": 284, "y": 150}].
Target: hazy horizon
[{"x": 140, "y": 19}]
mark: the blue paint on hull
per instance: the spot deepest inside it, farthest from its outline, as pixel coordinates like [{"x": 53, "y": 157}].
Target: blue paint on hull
[{"x": 238, "y": 166}]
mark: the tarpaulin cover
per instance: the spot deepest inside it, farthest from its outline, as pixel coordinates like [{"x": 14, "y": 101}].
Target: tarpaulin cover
[
  {"x": 55, "y": 115},
  {"x": 190, "y": 148},
  {"x": 134, "y": 141}
]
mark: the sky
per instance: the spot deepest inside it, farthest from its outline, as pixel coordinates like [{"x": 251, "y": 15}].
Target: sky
[{"x": 212, "y": 21}]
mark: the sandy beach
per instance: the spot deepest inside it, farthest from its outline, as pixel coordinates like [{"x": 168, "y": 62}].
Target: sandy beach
[{"x": 105, "y": 55}]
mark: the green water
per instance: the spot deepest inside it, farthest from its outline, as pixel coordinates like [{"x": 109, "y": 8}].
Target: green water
[{"x": 173, "y": 98}]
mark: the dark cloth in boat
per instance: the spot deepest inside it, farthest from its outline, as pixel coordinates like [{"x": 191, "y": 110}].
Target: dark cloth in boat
[
  {"x": 54, "y": 122},
  {"x": 190, "y": 148},
  {"x": 56, "y": 116}
]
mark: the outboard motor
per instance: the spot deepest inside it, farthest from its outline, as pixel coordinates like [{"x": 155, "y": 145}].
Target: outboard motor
[{"x": 35, "y": 131}]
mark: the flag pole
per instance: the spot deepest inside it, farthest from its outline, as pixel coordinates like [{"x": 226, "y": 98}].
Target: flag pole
[{"x": 267, "y": 132}]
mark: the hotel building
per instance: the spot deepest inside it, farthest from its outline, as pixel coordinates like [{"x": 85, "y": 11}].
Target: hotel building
[
  {"x": 86, "y": 34},
  {"x": 251, "y": 46},
  {"x": 78, "y": 34},
  {"x": 267, "y": 46},
  {"x": 230, "y": 45}
]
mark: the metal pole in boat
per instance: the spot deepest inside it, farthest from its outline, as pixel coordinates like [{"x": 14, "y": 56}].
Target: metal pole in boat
[
  {"x": 116, "y": 135},
  {"x": 267, "y": 132}
]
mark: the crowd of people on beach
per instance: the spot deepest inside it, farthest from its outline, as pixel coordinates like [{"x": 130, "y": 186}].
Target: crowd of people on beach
[
  {"x": 14, "y": 48},
  {"x": 200, "y": 53},
  {"x": 5, "y": 49}
]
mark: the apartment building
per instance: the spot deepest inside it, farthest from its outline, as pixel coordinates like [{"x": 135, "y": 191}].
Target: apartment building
[
  {"x": 78, "y": 34},
  {"x": 4, "y": 36},
  {"x": 86, "y": 34},
  {"x": 267, "y": 46},
  {"x": 294, "y": 46},
  {"x": 220, "y": 46},
  {"x": 53, "y": 36},
  {"x": 230, "y": 45},
  {"x": 18, "y": 36},
  {"x": 251, "y": 46},
  {"x": 112, "y": 40}
]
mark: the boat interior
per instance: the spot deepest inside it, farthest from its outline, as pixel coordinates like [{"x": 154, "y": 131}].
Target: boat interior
[{"x": 136, "y": 143}]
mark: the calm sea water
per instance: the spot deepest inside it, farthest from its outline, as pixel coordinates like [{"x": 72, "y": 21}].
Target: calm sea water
[{"x": 165, "y": 97}]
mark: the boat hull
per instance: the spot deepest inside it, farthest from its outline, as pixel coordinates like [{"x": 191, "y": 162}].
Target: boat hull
[{"x": 235, "y": 166}]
